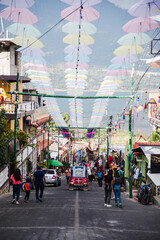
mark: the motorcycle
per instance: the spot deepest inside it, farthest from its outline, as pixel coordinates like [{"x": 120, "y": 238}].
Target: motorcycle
[{"x": 144, "y": 196}]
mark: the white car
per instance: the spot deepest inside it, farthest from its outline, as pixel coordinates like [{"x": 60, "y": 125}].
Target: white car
[{"x": 52, "y": 177}]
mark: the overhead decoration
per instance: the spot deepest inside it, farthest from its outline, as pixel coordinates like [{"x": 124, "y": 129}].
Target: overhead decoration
[
  {"x": 32, "y": 56},
  {"x": 133, "y": 39},
  {"x": 83, "y": 2},
  {"x": 90, "y": 132},
  {"x": 128, "y": 50}
]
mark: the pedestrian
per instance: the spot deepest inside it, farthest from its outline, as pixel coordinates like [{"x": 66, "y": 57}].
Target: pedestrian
[
  {"x": 39, "y": 182},
  {"x": 68, "y": 175},
  {"x": 116, "y": 185},
  {"x": 27, "y": 187},
  {"x": 108, "y": 189},
  {"x": 16, "y": 179},
  {"x": 100, "y": 177}
]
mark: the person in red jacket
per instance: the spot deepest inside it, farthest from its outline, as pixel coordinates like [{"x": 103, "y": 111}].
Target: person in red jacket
[{"x": 16, "y": 179}]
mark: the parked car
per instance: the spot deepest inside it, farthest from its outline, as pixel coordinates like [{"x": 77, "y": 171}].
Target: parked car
[
  {"x": 79, "y": 178},
  {"x": 52, "y": 177}
]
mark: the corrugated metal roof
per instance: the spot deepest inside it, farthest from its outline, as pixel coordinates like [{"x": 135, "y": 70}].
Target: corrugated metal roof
[{"x": 155, "y": 178}]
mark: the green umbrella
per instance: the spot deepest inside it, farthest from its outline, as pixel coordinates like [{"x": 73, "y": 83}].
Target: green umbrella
[{"x": 55, "y": 163}]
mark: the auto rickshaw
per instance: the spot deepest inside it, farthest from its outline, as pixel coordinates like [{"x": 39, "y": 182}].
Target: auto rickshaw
[{"x": 79, "y": 178}]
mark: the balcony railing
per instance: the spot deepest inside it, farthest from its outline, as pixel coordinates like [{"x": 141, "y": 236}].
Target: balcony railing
[{"x": 22, "y": 107}]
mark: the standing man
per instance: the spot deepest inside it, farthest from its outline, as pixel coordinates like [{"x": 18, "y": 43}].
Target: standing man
[{"x": 39, "y": 182}]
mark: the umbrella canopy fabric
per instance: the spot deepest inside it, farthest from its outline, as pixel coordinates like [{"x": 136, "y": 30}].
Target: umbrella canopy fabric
[
  {"x": 139, "y": 25},
  {"x": 124, "y": 59},
  {"x": 74, "y": 65},
  {"x": 55, "y": 163},
  {"x": 117, "y": 72},
  {"x": 19, "y": 15},
  {"x": 35, "y": 67},
  {"x": 73, "y": 71},
  {"x": 73, "y": 58},
  {"x": 134, "y": 39},
  {"x": 128, "y": 50},
  {"x": 89, "y": 14},
  {"x": 74, "y": 40},
  {"x": 32, "y": 52},
  {"x": 25, "y": 42},
  {"x": 85, "y": 3},
  {"x": 83, "y": 50},
  {"x": 25, "y": 30},
  {"x": 35, "y": 60},
  {"x": 145, "y": 8},
  {"x": 18, "y": 3},
  {"x": 78, "y": 76},
  {"x": 118, "y": 66},
  {"x": 73, "y": 28}
]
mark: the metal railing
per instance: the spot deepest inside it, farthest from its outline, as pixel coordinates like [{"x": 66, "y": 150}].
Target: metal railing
[{"x": 22, "y": 107}]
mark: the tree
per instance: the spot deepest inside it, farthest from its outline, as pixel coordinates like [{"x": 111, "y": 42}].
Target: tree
[
  {"x": 156, "y": 136},
  {"x": 23, "y": 138},
  {"x": 66, "y": 118},
  {"x": 6, "y": 135}
]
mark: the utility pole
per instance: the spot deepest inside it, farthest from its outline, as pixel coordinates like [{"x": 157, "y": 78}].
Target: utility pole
[
  {"x": 48, "y": 140},
  {"x": 130, "y": 135},
  {"x": 58, "y": 144},
  {"x": 98, "y": 141},
  {"x": 107, "y": 134},
  {"x": 15, "y": 121}
]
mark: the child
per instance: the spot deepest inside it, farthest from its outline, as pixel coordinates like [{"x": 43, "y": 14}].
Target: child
[{"x": 27, "y": 189}]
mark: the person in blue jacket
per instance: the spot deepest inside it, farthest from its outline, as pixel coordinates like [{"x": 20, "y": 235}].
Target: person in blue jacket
[{"x": 100, "y": 177}]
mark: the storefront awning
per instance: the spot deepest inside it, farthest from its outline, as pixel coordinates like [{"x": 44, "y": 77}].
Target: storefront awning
[{"x": 155, "y": 178}]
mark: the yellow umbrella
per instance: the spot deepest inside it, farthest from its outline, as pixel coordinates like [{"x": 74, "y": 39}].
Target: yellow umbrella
[
  {"x": 109, "y": 82},
  {"x": 25, "y": 42},
  {"x": 79, "y": 76},
  {"x": 74, "y": 40},
  {"x": 43, "y": 78},
  {"x": 128, "y": 50}
]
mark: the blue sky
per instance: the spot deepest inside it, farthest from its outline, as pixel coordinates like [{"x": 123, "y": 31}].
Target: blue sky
[{"x": 109, "y": 29}]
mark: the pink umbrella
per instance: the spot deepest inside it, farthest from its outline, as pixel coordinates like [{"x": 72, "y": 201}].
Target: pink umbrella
[
  {"x": 35, "y": 67},
  {"x": 124, "y": 59},
  {"x": 89, "y": 14},
  {"x": 83, "y": 50},
  {"x": 78, "y": 2},
  {"x": 74, "y": 65},
  {"x": 117, "y": 72},
  {"x": 19, "y": 15},
  {"x": 18, "y": 3},
  {"x": 139, "y": 25}
]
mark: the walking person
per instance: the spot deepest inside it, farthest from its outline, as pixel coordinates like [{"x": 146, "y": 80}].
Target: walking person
[
  {"x": 100, "y": 176},
  {"x": 16, "y": 179},
  {"x": 39, "y": 182},
  {"x": 108, "y": 188},
  {"x": 27, "y": 187},
  {"x": 116, "y": 185}
]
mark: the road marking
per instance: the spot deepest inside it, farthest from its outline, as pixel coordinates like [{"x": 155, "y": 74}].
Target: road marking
[
  {"x": 76, "y": 217},
  {"x": 81, "y": 228}
]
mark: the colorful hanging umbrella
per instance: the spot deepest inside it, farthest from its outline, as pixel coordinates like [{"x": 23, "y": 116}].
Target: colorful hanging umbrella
[
  {"x": 74, "y": 58},
  {"x": 82, "y": 50},
  {"x": 38, "y": 73},
  {"x": 25, "y": 30},
  {"x": 73, "y": 71},
  {"x": 124, "y": 59},
  {"x": 134, "y": 39},
  {"x": 79, "y": 2},
  {"x": 74, "y": 40},
  {"x": 32, "y": 52},
  {"x": 19, "y": 15},
  {"x": 145, "y": 8},
  {"x": 75, "y": 27},
  {"x": 78, "y": 76},
  {"x": 118, "y": 72},
  {"x": 35, "y": 67},
  {"x": 139, "y": 25},
  {"x": 74, "y": 65},
  {"x": 25, "y": 42},
  {"x": 128, "y": 50},
  {"x": 34, "y": 60},
  {"x": 71, "y": 14},
  {"x": 18, "y": 3},
  {"x": 55, "y": 163},
  {"x": 118, "y": 66}
]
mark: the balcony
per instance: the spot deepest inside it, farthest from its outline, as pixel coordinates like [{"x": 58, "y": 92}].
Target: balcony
[{"x": 28, "y": 107}]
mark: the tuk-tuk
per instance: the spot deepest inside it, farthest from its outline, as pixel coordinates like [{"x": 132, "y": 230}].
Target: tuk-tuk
[{"x": 79, "y": 178}]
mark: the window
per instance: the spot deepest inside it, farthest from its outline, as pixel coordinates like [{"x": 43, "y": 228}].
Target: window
[{"x": 155, "y": 163}]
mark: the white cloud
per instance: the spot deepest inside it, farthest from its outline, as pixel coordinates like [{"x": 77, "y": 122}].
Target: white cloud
[{"x": 124, "y": 4}]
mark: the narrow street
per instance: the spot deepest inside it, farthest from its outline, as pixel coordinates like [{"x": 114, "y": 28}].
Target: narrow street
[{"x": 75, "y": 215}]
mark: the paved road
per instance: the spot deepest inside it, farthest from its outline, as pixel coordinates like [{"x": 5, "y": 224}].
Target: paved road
[{"x": 76, "y": 215}]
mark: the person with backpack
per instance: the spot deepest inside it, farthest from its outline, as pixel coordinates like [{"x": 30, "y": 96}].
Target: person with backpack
[
  {"x": 16, "y": 179},
  {"x": 116, "y": 185}
]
